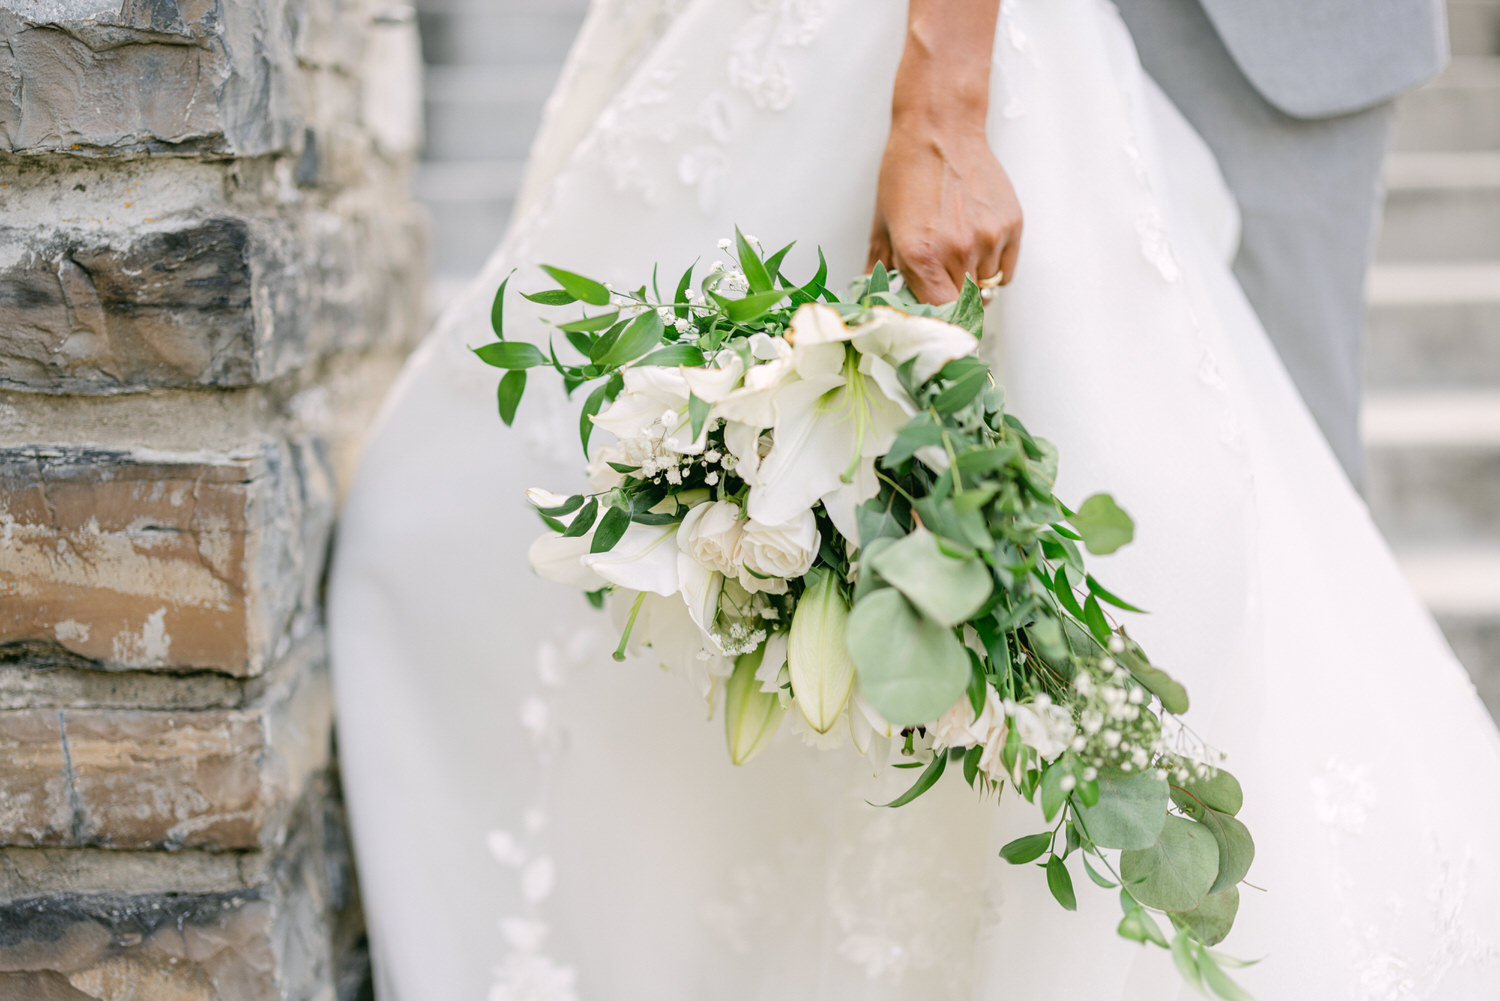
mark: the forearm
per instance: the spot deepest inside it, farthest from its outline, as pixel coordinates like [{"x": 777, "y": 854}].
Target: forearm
[{"x": 943, "y": 80}]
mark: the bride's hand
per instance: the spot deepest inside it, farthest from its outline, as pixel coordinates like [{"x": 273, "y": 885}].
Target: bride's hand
[{"x": 944, "y": 208}]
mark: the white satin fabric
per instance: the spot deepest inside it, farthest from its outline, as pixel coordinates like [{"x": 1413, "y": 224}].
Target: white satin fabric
[{"x": 534, "y": 822}]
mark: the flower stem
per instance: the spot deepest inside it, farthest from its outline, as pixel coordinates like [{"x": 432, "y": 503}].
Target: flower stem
[{"x": 635, "y": 610}]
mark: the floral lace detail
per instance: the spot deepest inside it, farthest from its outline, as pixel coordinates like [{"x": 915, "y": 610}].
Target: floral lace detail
[
  {"x": 1345, "y": 798},
  {"x": 526, "y": 972},
  {"x": 635, "y": 137}
]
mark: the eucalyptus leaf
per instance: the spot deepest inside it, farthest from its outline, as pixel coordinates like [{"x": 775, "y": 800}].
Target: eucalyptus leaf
[
  {"x": 911, "y": 669},
  {"x": 1102, "y": 524},
  {"x": 1176, "y": 873},
  {"x": 1218, "y": 790},
  {"x": 1131, "y": 810},
  {"x": 947, "y": 590},
  {"x": 1236, "y": 846},
  {"x": 1174, "y": 697},
  {"x": 1211, "y": 921}
]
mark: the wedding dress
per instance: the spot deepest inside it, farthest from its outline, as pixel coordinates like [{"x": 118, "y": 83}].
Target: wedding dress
[{"x": 534, "y": 822}]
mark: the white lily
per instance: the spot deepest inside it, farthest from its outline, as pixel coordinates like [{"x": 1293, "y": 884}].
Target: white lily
[
  {"x": 830, "y": 426},
  {"x": 898, "y": 337}
]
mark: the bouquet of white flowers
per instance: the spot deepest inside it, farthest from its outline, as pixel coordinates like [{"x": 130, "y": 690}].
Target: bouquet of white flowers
[{"x": 820, "y": 509}]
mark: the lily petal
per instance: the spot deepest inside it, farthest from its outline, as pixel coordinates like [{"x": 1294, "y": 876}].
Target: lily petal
[{"x": 645, "y": 559}]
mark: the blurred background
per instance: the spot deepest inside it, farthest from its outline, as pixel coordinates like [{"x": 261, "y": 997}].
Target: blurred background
[{"x": 1432, "y": 417}]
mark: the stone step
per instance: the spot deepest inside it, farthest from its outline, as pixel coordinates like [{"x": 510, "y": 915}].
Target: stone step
[
  {"x": 1434, "y": 472},
  {"x": 469, "y": 203},
  {"x": 484, "y": 112},
  {"x": 1434, "y": 324},
  {"x": 1462, "y": 589},
  {"x": 487, "y": 34},
  {"x": 1460, "y": 110},
  {"x": 1442, "y": 207},
  {"x": 1474, "y": 27}
]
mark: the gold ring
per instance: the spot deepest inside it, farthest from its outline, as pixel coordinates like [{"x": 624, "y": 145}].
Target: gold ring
[{"x": 993, "y": 281}]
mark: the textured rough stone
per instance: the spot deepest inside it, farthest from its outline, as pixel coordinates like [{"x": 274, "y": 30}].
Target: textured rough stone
[
  {"x": 145, "y": 560},
  {"x": 222, "y": 300},
  {"x": 134, "y": 778},
  {"x": 113, "y": 76},
  {"x": 267, "y": 931}
]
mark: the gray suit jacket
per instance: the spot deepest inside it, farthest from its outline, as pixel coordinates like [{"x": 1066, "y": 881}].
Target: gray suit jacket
[{"x": 1319, "y": 58}]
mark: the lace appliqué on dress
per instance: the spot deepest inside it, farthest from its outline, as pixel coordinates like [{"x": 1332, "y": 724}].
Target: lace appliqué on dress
[
  {"x": 526, "y": 971},
  {"x": 1344, "y": 799}
]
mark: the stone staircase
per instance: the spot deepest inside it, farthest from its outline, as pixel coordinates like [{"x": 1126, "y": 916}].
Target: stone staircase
[
  {"x": 1432, "y": 414},
  {"x": 1432, "y": 419},
  {"x": 489, "y": 66}
]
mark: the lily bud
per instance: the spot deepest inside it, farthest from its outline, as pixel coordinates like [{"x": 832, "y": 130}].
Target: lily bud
[
  {"x": 751, "y": 716},
  {"x": 817, "y": 656}
]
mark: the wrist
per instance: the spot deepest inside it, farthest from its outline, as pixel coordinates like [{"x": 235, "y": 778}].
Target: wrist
[{"x": 935, "y": 97}]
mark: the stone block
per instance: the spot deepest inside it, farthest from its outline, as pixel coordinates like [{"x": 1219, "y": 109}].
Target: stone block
[
  {"x": 87, "y": 925},
  {"x": 200, "y": 78},
  {"x": 138, "y": 778},
  {"x": 147, "y": 76},
  {"x": 146, "y": 560},
  {"x": 130, "y": 289}
]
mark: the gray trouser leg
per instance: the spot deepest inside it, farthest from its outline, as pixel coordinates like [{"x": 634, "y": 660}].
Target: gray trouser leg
[{"x": 1310, "y": 194}]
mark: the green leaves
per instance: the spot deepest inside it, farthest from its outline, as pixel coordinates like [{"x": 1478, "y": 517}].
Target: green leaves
[
  {"x": 753, "y": 306},
  {"x": 1060, "y": 882},
  {"x": 1174, "y": 697},
  {"x": 1131, "y": 810},
  {"x": 497, "y": 310},
  {"x": 1212, "y": 919},
  {"x": 1175, "y": 873},
  {"x": 1026, "y": 849},
  {"x": 1102, "y": 524},
  {"x": 756, "y": 275},
  {"x": 1236, "y": 846},
  {"x": 611, "y": 527},
  {"x": 947, "y": 589},
  {"x": 512, "y": 386},
  {"x": 511, "y": 354},
  {"x": 579, "y": 287},
  {"x": 639, "y": 336},
  {"x": 925, "y": 781},
  {"x": 911, "y": 669},
  {"x": 967, "y": 310}
]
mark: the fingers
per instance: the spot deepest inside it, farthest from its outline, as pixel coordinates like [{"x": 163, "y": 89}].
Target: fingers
[
  {"x": 925, "y": 269},
  {"x": 880, "y": 246},
  {"x": 1011, "y": 254}
]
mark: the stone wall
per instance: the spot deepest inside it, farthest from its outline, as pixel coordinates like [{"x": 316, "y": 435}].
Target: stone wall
[{"x": 210, "y": 269}]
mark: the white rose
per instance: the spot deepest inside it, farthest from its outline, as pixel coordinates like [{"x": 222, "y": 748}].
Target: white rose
[
  {"x": 711, "y": 534},
  {"x": 959, "y": 727},
  {"x": 1045, "y": 728},
  {"x": 778, "y": 552}
]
